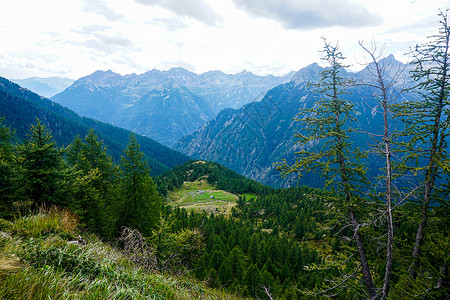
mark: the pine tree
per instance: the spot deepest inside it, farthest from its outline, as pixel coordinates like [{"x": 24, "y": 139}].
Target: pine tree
[
  {"x": 140, "y": 204},
  {"x": 42, "y": 168},
  {"x": 216, "y": 259}
]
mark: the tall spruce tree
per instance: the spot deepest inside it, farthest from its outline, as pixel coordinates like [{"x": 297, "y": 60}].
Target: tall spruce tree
[
  {"x": 140, "y": 204},
  {"x": 95, "y": 183},
  {"x": 42, "y": 168},
  {"x": 329, "y": 124}
]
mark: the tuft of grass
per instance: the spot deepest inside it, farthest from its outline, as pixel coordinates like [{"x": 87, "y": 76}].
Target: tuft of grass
[
  {"x": 5, "y": 225},
  {"x": 9, "y": 264},
  {"x": 54, "y": 221}
]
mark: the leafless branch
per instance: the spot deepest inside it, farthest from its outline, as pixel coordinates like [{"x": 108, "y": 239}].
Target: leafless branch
[
  {"x": 342, "y": 282},
  {"x": 267, "y": 292}
]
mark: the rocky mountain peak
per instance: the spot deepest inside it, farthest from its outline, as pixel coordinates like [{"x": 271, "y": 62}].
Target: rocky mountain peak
[{"x": 310, "y": 73}]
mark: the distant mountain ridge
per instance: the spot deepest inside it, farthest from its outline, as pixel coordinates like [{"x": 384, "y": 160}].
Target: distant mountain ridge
[
  {"x": 251, "y": 139},
  {"x": 46, "y": 87},
  {"x": 20, "y": 108},
  {"x": 163, "y": 105}
]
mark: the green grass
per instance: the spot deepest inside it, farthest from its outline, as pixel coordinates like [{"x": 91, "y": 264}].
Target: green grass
[
  {"x": 201, "y": 196},
  {"x": 249, "y": 196},
  {"x": 38, "y": 261}
]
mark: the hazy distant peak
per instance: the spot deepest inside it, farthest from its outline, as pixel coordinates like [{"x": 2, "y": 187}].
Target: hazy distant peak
[
  {"x": 98, "y": 78},
  {"x": 392, "y": 69},
  {"x": 100, "y": 74},
  {"x": 245, "y": 72},
  {"x": 213, "y": 72},
  {"x": 180, "y": 74},
  {"x": 178, "y": 70},
  {"x": 310, "y": 73},
  {"x": 46, "y": 87}
]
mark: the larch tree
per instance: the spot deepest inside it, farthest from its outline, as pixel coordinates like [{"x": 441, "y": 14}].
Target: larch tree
[
  {"x": 427, "y": 128},
  {"x": 329, "y": 124}
]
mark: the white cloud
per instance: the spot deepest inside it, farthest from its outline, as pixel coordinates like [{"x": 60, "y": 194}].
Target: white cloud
[
  {"x": 196, "y": 9},
  {"x": 307, "y": 14},
  {"x": 102, "y": 8},
  {"x": 73, "y": 38}
]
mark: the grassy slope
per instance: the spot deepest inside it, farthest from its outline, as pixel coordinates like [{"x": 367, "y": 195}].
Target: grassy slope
[
  {"x": 200, "y": 195},
  {"x": 38, "y": 261}
]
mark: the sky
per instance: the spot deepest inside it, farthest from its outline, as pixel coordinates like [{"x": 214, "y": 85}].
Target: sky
[{"x": 74, "y": 38}]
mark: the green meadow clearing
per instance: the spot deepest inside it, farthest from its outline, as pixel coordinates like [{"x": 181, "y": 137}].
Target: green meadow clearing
[{"x": 200, "y": 195}]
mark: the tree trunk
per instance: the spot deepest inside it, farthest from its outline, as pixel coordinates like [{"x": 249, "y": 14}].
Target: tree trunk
[{"x": 371, "y": 289}]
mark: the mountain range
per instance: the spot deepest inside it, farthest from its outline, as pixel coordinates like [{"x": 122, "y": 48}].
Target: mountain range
[
  {"x": 20, "y": 107},
  {"x": 181, "y": 108},
  {"x": 46, "y": 87},
  {"x": 163, "y": 105},
  {"x": 252, "y": 139}
]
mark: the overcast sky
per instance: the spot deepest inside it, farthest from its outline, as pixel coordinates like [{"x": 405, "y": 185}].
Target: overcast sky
[{"x": 73, "y": 38}]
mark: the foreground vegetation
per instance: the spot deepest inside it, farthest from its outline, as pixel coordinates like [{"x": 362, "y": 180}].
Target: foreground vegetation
[{"x": 43, "y": 256}]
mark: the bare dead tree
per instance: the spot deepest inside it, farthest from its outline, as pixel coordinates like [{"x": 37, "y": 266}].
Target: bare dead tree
[
  {"x": 383, "y": 79},
  {"x": 137, "y": 249}
]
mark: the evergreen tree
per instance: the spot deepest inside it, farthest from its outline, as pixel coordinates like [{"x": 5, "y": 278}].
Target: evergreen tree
[
  {"x": 225, "y": 273},
  {"x": 7, "y": 171},
  {"x": 236, "y": 261},
  {"x": 251, "y": 279},
  {"x": 74, "y": 153},
  {"x": 253, "y": 249},
  {"x": 95, "y": 185},
  {"x": 140, "y": 205},
  {"x": 42, "y": 168},
  {"x": 216, "y": 259}
]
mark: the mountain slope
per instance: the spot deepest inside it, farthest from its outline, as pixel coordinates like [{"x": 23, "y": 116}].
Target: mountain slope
[
  {"x": 46, "y": 87},
  {"x": 252, "y": 139},
  {"x": 163, "y": 105},
  {"x": 20, "y": 107}
]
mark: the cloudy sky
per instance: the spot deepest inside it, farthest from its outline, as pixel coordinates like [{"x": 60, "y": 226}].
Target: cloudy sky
[{"x": 73, "y": 38}]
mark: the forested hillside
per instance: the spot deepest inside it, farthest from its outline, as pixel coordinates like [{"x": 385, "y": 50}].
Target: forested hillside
[{"x": 20, "y": 108}]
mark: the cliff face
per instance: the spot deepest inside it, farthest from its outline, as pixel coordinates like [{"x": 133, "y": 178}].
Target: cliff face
[{"x": 251, "y": 139}]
